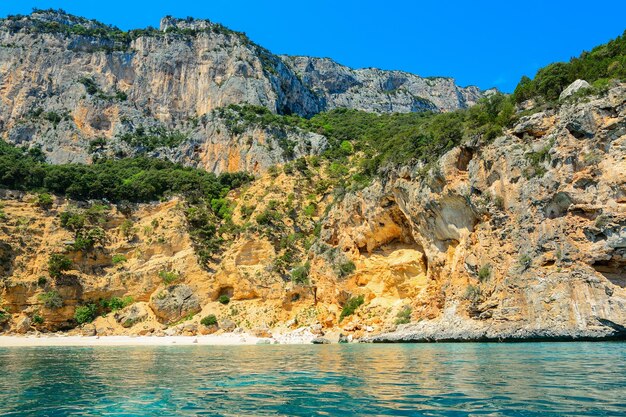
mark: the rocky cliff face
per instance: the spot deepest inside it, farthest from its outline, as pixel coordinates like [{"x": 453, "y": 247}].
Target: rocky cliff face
[
  {"x": 375, "y": 90},
  {"x": 66, "y": 81},
  {"x": 520, "y": 238},
  {"x": 524, "y": 238}
]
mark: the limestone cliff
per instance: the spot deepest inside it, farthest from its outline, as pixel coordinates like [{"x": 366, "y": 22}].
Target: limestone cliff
[
  {"x": 376, "y": 90},
  {"x": 66, "y": 81},
  {"x": 514, "y": 234},
  {"x": 522, "y": 237}
]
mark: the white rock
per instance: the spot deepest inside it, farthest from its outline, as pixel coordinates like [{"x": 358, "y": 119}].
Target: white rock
[{"x": 574, "y": 87}]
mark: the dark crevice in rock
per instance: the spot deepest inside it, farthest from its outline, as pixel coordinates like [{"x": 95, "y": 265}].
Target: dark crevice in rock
[
  {"x": 227, "y": 291},
  {"x": 465, "y": 156},
  {"x": 613, "y": 270}
]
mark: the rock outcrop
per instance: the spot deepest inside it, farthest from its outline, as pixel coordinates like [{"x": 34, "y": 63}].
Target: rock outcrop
[
  {"x": 133, "y": 314},
  {"x": 380, "y": 91},
  {"x": 515, "y": 247},
  {"x": 573, "y": 88},
  {"x": 174, "y": 302}
]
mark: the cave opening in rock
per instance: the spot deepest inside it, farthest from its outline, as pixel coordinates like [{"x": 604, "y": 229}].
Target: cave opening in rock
[
  {"x": 227, "y": 291},
  {"x": 465, "y": 156},
  {"x": 391, "y": 240},
  {"x": 613, "y": 270}
]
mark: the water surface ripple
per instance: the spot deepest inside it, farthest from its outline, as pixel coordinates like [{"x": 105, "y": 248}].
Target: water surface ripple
[{"x": 533, "y": 379}]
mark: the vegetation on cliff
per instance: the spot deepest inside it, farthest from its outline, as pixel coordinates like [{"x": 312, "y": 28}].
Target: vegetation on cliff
[
  {"x": 113, "y": 37},
  {"x": 604, "y": 62},
  {"x": 132, "y": 179},
  {"x": 384, "y": 140}
]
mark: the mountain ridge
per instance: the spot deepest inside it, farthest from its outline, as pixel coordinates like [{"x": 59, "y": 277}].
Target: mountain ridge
[
  {"x": 168, "y": 25},
  {"x": 68, "y": 81}
]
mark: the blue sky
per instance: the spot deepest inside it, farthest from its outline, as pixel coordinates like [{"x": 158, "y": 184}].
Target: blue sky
[{"x": 484, "y": 43}]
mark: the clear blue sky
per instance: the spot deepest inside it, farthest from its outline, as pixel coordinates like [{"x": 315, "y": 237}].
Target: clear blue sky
[{"x": 484, "y": 43}]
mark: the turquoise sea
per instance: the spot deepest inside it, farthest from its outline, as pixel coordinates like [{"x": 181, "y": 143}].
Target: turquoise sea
[{"x": 526, "y": 379}]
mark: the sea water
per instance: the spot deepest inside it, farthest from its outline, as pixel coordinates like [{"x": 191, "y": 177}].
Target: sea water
[{"x": 526, "y": 379}]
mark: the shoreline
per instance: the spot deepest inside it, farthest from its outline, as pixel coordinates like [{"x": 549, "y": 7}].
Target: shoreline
[
  {"x": 244, "y": 339},
  {"x": 227, "y": 339}
]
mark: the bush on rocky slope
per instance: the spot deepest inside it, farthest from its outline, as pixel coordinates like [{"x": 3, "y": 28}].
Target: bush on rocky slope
[
  {"x": 606, "y": 61},
  {"x": 133, "y": 179},
  {"x": 381, "y": 141}
]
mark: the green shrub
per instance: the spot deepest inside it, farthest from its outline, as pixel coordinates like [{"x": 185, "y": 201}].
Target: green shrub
[
  {"x": 209, "y": 320},
  {"x": 525, "y": 90},
  {"x": 300, "y": 274},
  {"x": 221, "y": 208},
  {"x": 337, "y": 170},
  {"x": 525, "y": 261},
  {"x": 57, "y": 264},
  {"x": 604, "y": 62},
  {"x": 86, "y": 240},
  {"x": 484, "y": 273},
  {"x": 168, "y": 277},
  {"x": 37, "y": 319},
  {"x": 270, "y": 216},
  {"x": 90, "y": 85},
  {"x": 51, "y": 299},
  {"x": 350, "y": 307},
  {"x": 53, "y": 117},
  {"x": 404, "y": 315},
  {"x": 42, "y": 281},
  {"x": 246, "y": 211},
  {"x": 314, "y": 161},
  {"x": 97, "y": 144},
  {"x": 387, "y": 140},
  {"x": 224, "y": 299},
  {"x": 346, "y": 147},
  {"x": 45, "y": 201},
  {"x": 274, "y": 171},
  {"x": 300, "y": 164},
  {"x": 86, "y": 225},
  {"x": 116, "y": 180},
  {"x": 128, "y": 229},
  {"x": 85, "y": 313},
  {"x": 310, "y": 210},
  {"x": 116, "y": 303},
  {"x": 202, "y": 225},
  {"x": 473, "y": 293},
  {"x": 346, "y": 268},
  {"x": 288, "y": 169},
  {"x": 536, "y": 160},
  {"x": 72, "y": 220},
  {"x": 154, "y": 137},
  {"x": 121, "y": 96},
  {"x": 118, "y": 258}
]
